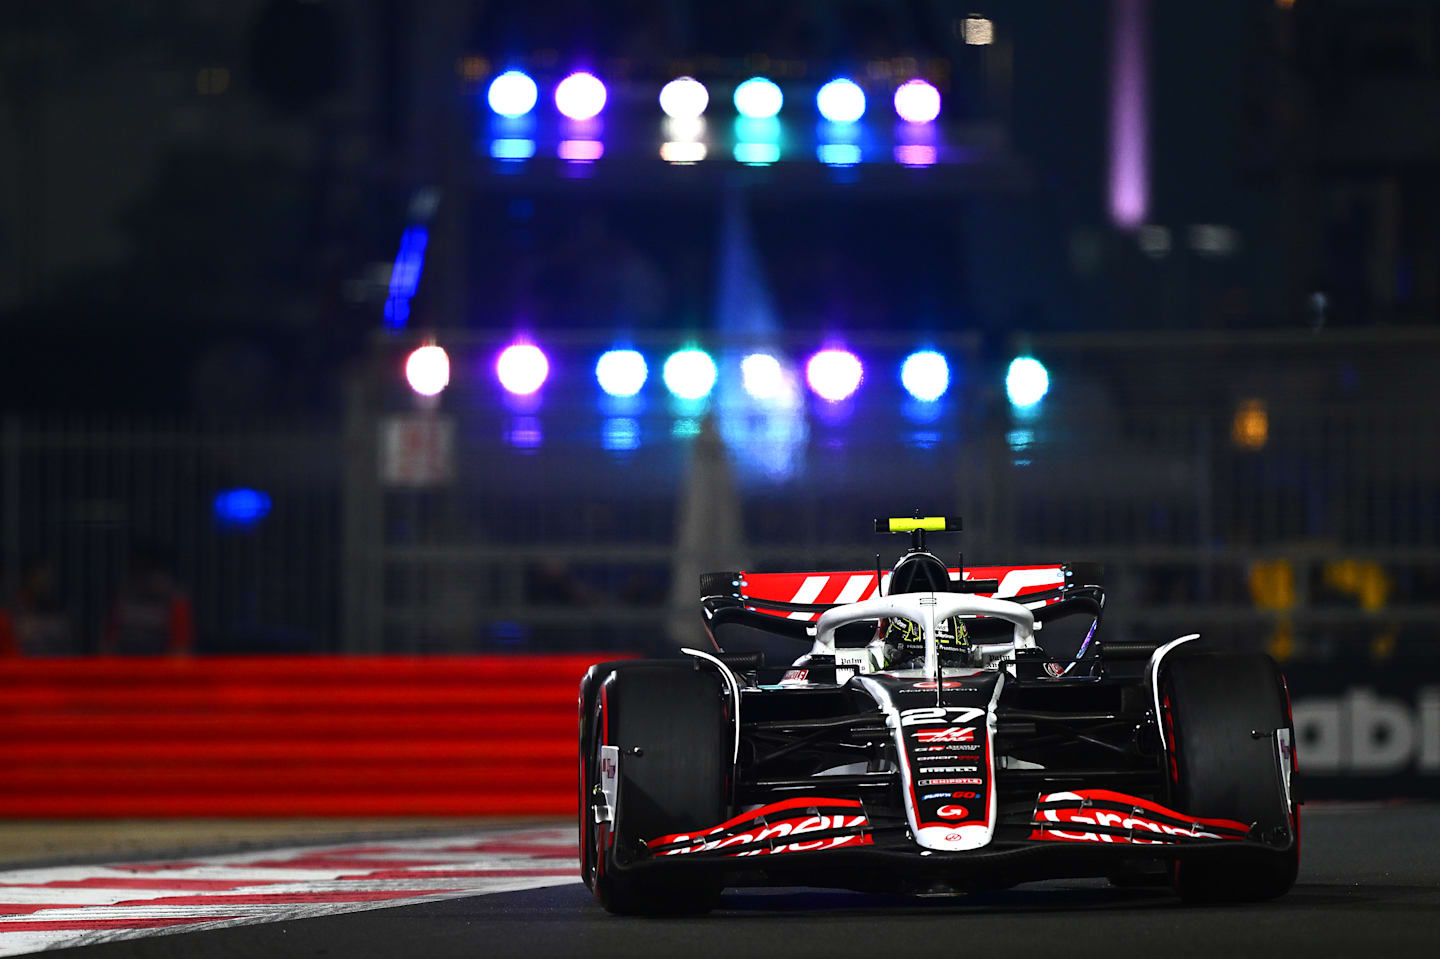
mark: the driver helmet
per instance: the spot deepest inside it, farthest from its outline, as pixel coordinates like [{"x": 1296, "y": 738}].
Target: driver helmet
[{"x": 950, "y": 634}]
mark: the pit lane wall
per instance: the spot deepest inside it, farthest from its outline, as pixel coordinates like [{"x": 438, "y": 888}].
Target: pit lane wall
[{"x": 290, "y": 736}]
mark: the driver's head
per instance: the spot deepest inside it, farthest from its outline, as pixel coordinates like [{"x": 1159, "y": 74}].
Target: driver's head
[{"x": 950, "y": 634}]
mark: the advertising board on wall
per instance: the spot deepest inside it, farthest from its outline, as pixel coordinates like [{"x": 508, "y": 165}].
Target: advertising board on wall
[{"x": 1367, "y": 731}]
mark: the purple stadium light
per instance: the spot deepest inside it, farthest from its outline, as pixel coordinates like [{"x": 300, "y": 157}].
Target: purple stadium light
[
  {"x": 580, "y": 96},
  {"x": 522, "y": 368},
  {"x": 834, "y": 374},
  {"x": 917, "y": 101}
]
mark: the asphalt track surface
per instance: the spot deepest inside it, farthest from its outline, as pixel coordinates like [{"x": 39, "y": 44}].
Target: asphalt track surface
[{"x": 1369, "y": 886}]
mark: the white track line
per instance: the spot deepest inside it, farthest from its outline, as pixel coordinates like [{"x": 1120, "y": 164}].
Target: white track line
[{"x": 234, "y": 888}]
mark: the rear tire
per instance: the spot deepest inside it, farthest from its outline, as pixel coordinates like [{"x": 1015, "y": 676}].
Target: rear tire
[
  {"x": 1218, "y": 768},
  {"x": 669, "y": 721}
]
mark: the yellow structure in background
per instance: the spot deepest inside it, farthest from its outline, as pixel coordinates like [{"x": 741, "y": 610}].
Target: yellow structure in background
[
  {"x": 1368, "y": 582},
  {"x": 1272, "y": 587}
]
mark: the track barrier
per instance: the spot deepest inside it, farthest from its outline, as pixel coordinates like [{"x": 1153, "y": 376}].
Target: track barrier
[{"x": 290, "y": 736}]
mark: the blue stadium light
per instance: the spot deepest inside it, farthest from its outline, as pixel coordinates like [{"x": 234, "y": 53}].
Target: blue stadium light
[
  {"x": 1026, "y": 382},
  {"x": 620, "y": 434},
  {"x": 621, "y": 372},
  {"x": 512, "y": 148},
  {"x": 762, "y": 376},
  {"x": 512, "y": 94},
  {"x": 241, "y": 508},
  {"x": 841, "y": 101},
  {"x": 758, "y": 98},
  {"x": 838, "y": 154},
  {"x": 925, "y": 375},
  {"x": 689, "y": 374},
  {"x": 757, "y": 154},
  {"x": 405, "y": 276}
]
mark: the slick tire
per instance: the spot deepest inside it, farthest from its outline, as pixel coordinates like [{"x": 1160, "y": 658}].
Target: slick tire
[
  {"x": 669, "y": 722},
  {"x": 1219, "y": 712},
  {"x": 589, "y": 691}
]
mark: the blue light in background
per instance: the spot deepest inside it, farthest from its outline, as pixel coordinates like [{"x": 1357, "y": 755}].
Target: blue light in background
[
  {"x": 685, "y": 426},
  {"x": 757, "y": 140},
  {"x": 512, "y": 148},
  {"x": 241, "y": 508},
  {"x": 841, "y": 101},
  {"x": 405, "y": 276},
  {"x": 689, "y": 374},
  {"x": 757, "y": 154},
  {"x": 524, "y": 433},
  {"x": 512, "y": 94},
  {"x": 763, "y": 376},
  {"x": 620, "y": 434},
  {"x": 838, "y": 154},
  {"x": 621, "y": 372},
  {"x": 1026, "y": 382},
  {"x": 924, "y": 439},
  {"x": 758, "y": 98},
  {"x": 925, "y": 375}
]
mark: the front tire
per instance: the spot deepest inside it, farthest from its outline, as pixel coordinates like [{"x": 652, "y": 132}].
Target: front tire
[
  {"x": 1220, "y": 713},
  {"x": 669, "y": 723}
]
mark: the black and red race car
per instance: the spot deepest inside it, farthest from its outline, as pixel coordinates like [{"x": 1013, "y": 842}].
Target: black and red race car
[{"x": 930, "y": 730}]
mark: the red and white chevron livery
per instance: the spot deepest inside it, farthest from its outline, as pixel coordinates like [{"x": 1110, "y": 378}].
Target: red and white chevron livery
[{"x": 851, "y": 586}]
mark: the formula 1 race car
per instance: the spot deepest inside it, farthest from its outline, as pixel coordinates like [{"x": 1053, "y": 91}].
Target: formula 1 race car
[{"x": 931, "y": 730}]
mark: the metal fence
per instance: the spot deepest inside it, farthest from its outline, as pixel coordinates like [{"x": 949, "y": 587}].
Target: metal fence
[
  {"x": 81, "y": 498},
  {"x": 1271, "y": 490},
  {"x": 1268, "y": 490}
]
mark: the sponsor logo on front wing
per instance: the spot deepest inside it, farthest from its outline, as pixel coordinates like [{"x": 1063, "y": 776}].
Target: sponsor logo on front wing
[
  {"x": 949, "y": 734},
  {"x": 788, "y": 829},
  {"x": 951, "y": 811}
]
